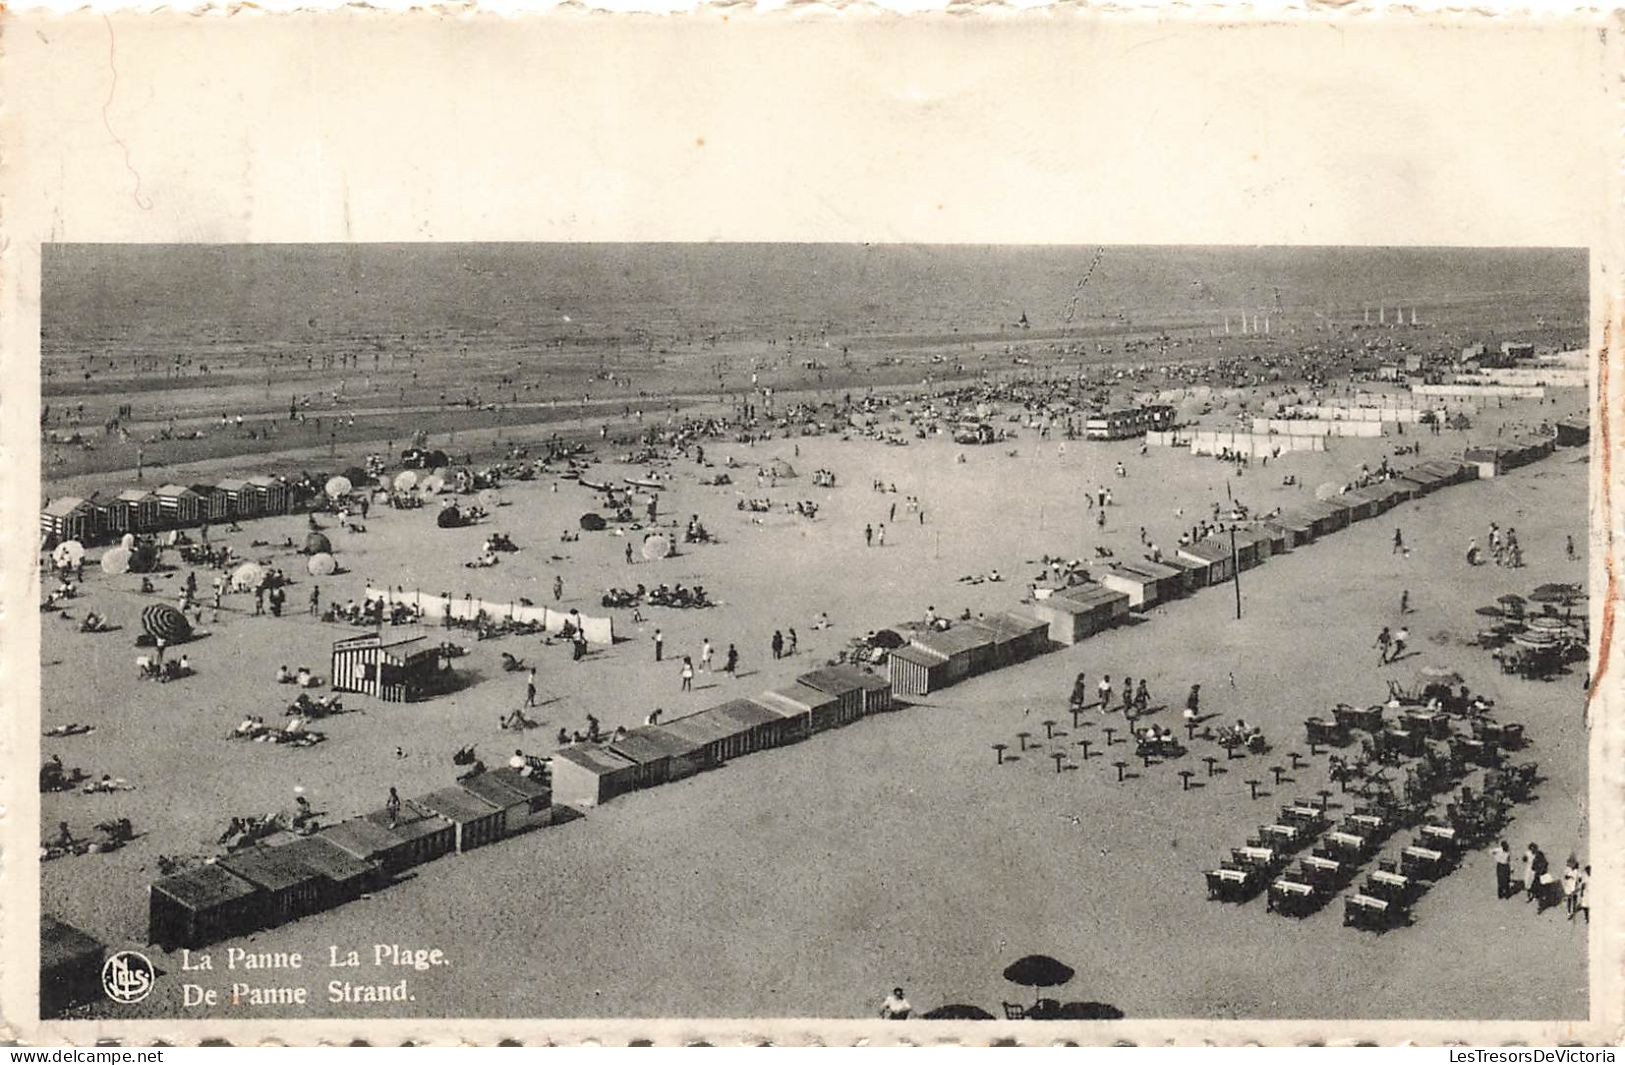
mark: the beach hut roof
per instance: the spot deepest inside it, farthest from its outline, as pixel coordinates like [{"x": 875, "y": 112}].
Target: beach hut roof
[
  {"x": 264, "y": 481},
  {"x": 526, "y": 787},
  {"x": 171, "y": 491},
  {"x": 803, "y": 698},
  {"x": 639, "y": 748},
  {"x": 1159, "y": 570},
  {"x": 500, "y": 793},
  {"x": 457, "y": 805},
  {"x": 232, "y": 484},
  {"x": 134, "y": 495},
  {"x": 205, "y": 886},
  {"x": 1090, "y": 595},
  {"x": 920, "y": 656},
  {"x": 359, "y": 836},
  {"x": 62, "y": 507},
  {"x": 749, "y": 714},
  {"x": 328, "y": 859},
  {"x": 412, "y": 821},
  {"x": 62, "y": 944},
  {"x": 1130, "y": 574},
  {"x": 1209, "y": 550},
  {"x": 272, "y": 868},
  {"x": 838, "y": 680},
  {"x": 600, "y": 761},
  {"x": 955, "y": 640},
  {"x": 669, "y": 742}
]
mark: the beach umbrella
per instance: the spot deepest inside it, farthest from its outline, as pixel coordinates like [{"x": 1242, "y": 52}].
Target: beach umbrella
[
  {"x": 1329, "y": 490},
  {"x": 888, "y": 639},
  {"x": 143, "y": 558},
  {"x": 316, "y": 543},
  {"x": 1437, "y": 674},
  {"x": 432, "y": 484},
  {"x": 248, "y": 575},
  {"x": 1038, "y": 971},
  {"x": 116, "y": 560},
  {"x": 356, "y": 475},
  {"x": 489, "y": 498},
  {"x": 1555, "y": 593},
  {"x": 592, "y": 522},
  {"x": 957, "y": 1011},
  {"x": 1488, "y": 611},
  {"x": 68, "y": 553},
  {"x": 449, "y": 518},
  {"x": 406, "y": 480},
  {"x": 322, "y": 565},
  {"x": 163, "y": 622},
  {"x": 656, "y": 547},
  {"x": 338, "y": 486}
]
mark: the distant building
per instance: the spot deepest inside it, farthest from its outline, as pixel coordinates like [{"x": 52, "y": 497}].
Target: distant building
[{"x": 1126, "y": 422}]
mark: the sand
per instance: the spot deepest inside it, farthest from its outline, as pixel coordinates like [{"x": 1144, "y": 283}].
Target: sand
[{"x": 810, "y": 880}]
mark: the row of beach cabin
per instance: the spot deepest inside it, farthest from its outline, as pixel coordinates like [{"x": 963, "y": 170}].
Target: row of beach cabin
[
  {"x": 169, "y": 506},
  {"x": 262, "y": 886}
]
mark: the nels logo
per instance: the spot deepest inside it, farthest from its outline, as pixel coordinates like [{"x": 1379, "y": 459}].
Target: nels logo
[{"x": 128, "y": 976}]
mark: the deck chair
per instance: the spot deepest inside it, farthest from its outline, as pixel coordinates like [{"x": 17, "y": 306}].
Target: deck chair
[{"x": 1016, "y": 1012}]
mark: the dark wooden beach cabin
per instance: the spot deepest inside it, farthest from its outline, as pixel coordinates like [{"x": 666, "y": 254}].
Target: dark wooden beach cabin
[{"x": 202, "y": 905}]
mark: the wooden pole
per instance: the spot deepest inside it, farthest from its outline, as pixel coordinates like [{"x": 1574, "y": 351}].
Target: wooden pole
[{"x": 1235, "y": 569}]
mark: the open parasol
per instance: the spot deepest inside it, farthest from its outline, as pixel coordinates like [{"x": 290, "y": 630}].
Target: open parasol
[
  {"x": 68, "y": 553},
  {"x": 322, "y": 564},
  {"x": 1437, "y": 674},
  {"x": 1557, "y": 593},
  {"x": 957, "y": 1011},
  {"x": 116, "y": 560},
  {"x": 656, "y": 547},
  {"x": 316, "y": 543},
  {"x": 406, "y": 480},
  {"x": 163, "y": 622},
  {"x": 1038, "y": 971},
  {"x": 248, "y": 575},
  {"x": 489, "y": 498},
  {"x": 338, "y": 486}
]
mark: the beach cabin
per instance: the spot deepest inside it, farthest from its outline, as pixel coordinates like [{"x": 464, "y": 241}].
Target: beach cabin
[
  {"x": 1485, "y": 460},
  {"x": 70, "y": 967},
  {"x": 1211, "y": 554},
  {"x": 1325, "y": 516},
  {"x": 241, "y": 500},
  {"x": 1141, "y": 588},
  {"x": 270, "y": 495},
  {"x": 396, "y": 666},
  {"x": 70, "y": 518},
  {"x": 860, "y": 691},
  {"x": 585, "y": 775},
  {"x": 525, "y": 801},
  {"x": 805, "y": 710},
  {"x": 1295, "y": 529},
  {"x": 1015, "y": 638},
  {"x": 1573, "y": 432},
  {"x": 1169, "y": 580},
  {"x": 474, "y": 820},
  {"x": 291, "y": 888},
  {"x": 344, "y": 877},
  {"x": 665, "y": 756},
  {"x": 759, "y": 727},
  {"x": 914, "y": 670},
  {"x": 135, "y": 510},
  {"x": 713, "y": 739},
  {"x": 1079, "y": 612},
  {"x": 1253, "y": 547},
  {"x": 213, "y": 504},
  {"x": 177, "y": 505},
  {"x": 1441, "y": 473},
  {"x": 967, "y": 649},
  {"x": 417, "y": 837},
  {"x": 201, "y": 905}
]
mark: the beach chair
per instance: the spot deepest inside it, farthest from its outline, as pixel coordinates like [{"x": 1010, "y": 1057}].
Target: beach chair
[{"x": 1014, "y": 1011}]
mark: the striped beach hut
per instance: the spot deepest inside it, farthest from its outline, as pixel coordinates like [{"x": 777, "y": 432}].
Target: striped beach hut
[
  {"x": 202, "y": 905},
  {"x": 241, "y": 500},
  {"x": 524, "y": 800},
  {"x": 398, "y": 666},
  {"x": 177, "y": 505},
  {"x": 586, "y": 775},
  {"x": 1325, "y": 517},
  {"x": 860, "y": 691},
  {"x": 70, "y": 518},
  {"x": 214, "y": 505},
  {"x": 134, "y": 510},
  {"x": 291, "y": 888},
  {"x": 476, "y": 821},
  {"x": 1362, "y": 503},
  {"x": 1296, "y": 530},
  {"x": 270, "y": 494},
  {"x": 915, "y": 670}
]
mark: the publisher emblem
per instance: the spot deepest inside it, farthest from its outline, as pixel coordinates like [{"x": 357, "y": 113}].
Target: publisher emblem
[{"x": 128, "y": 976}]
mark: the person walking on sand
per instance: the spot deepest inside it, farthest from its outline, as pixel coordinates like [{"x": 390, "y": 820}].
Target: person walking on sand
[
  {"x": 731, "y": 665},
  {"x": 706, "y": 654},
  {"x": 790, "y": 642},
  {"x": 530, "y": 688},
  {"x": 1128, "y": 697},
  {"x": 688, "y": 674},
  {"x": 1193, "y": 703},
  {"x": 660, "y": 645},
  {"x": 1503, "y": 870},
  {"x": 558, "y": 587},
  {"x": 1405, "y": 601},
  {"x": 1103, "y": 692},
  {"x": 1399, "y": 543},
  {"x": 392, "y": 806},
  {"x": 1570, "y": 547},
  {"x": 1384, "y": 641},
  {"x": 880, "y": 536},
  {"x": 629, "y": 553},
  {"x": 777, "y": 645},
  {"x": 1400, "y": 637},
  {"x": 1571, "y": 885},
  {"x": 1142, "y": 698},
  {"x": 1534, "y": 867}
]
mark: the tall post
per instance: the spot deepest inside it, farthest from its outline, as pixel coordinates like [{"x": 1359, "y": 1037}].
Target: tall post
[{"x": 1235, "y": 569}]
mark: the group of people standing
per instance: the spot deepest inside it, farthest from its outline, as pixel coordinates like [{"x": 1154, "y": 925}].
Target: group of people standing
[{"x": 1539, "y": 884}]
